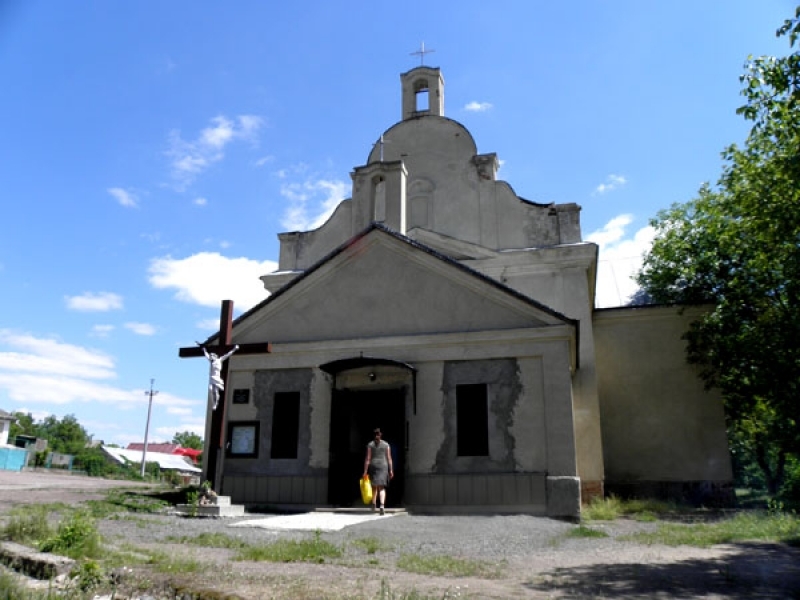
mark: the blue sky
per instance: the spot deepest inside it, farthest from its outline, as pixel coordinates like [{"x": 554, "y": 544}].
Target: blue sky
[{"x": 150, "y": 153}]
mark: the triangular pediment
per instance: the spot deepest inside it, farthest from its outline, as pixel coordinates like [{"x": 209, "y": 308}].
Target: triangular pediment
[{"x": 382, "y": 284}]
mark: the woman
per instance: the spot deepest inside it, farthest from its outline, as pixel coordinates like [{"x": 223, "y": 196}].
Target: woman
[{"x": 378, "y": 465}]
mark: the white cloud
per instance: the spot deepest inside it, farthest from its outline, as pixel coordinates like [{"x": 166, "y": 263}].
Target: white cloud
[
  {"x": 38, "y": 374},
  {"x": 101, "y": 331},
  {"x": 124, "y": 197},
  {"x": 37, "y": 355},
  {"x": 190, "y": 158},
  {"x": 311, "y": 202},
  {"x": 200, "y": 201},
  {"x": 141, "y": 328},
  {"x": 264, "y": 160},
  {"x": 620, "y": 258},
  {"x": 611, "y": 183},
  {"x": 94, "y": 302},
  {"x": 208, "y": 324},
  {"x": 207, "y": 278},
  {"x": 478, "y": 106},
  {"x": 166, "y": 433}
]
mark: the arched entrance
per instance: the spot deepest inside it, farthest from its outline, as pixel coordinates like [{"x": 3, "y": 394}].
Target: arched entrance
[{"x": 367, "y": 393}]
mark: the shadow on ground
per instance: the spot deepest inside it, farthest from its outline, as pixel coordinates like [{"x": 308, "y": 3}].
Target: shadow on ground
[{"x": 751, "y": 570}]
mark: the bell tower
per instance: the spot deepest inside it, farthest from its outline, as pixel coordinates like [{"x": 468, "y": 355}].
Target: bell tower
[{"x": 423, "y": 92}]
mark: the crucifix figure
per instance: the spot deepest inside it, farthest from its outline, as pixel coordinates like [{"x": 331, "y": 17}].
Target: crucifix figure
[
  {"x": 216, "y": 385},
  {"x": 217, "y": 355}
]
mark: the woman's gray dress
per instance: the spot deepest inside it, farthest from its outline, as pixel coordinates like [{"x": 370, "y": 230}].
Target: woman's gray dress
[{"x": 378, "y": 465}]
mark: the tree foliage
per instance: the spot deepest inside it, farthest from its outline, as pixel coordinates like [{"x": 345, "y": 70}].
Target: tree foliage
[
  {"x": 736, "y": 246},
  {"x": 187, "y": 439},
  {"x": 63, "y": 435}
]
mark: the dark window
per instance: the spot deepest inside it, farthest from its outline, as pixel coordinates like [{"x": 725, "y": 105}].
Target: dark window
[
  {"x": 241, "y": 396},
  {"x": 472, "y": 420},
  {"x": 243, "y": 439},
  {"x": 285, "y": 424}
]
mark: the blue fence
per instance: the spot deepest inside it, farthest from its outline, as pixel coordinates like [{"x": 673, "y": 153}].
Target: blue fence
[{"x": 12, "y": 459}]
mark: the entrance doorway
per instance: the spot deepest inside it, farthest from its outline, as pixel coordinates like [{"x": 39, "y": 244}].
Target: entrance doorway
[{"x": 354, "y": 416}]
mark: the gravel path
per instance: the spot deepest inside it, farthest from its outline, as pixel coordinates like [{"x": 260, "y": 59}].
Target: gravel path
[{"x": 521, "y": 556}]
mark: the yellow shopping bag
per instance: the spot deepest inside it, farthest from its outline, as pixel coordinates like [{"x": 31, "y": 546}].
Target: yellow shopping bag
[{"x": 366, "y": 490}]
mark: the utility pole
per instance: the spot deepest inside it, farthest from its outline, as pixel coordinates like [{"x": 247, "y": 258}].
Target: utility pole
[{"x": 150, "y": 393}]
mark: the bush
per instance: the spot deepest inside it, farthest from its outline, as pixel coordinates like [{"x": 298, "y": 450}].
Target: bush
[{"x": 77, "y": 537}]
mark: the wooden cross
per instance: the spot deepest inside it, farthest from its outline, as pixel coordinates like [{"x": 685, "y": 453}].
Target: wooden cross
[
  {"x": 216, "y": 441},
  {"x": 421, "y": 53}
]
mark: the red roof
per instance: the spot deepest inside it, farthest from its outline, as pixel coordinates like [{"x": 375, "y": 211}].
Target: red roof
[
  {"x": 167, "y": 449},
  {"x": 164, "y": 448}
]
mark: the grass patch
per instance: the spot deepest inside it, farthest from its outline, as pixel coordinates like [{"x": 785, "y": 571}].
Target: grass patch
[
  {"x": 313, "y": 550},
  {"x": 117, "y": 501},
  {"x": 749, "y": 526},
  {"x": 448, "y": 566},
  {"x": 387, "y": 593},
  {"x": 163, "y": 562},
  {"x": 371, "y": 545},
  {"x": 582, "y": 531},
  {"x": 612, "y": 507},
  {"x": 28, "y": 525},
  {"x": 210, "y": 540}
]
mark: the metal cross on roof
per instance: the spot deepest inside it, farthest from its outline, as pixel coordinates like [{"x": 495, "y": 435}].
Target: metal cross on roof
[{"x": 422, "y": 52}]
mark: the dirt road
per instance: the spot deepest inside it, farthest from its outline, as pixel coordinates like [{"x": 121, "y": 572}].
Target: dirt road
[{"x": 532, "y": 557}]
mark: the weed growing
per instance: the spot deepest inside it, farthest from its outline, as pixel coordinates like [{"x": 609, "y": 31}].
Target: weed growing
[
  {"x": 448, "y": 566},
  {"x": 122, "y": 501},
  {"x": 386, "y": 593},
  {"x": 210, "y": 540},
  {"x": 314, "y": 550},
  {"x": 612, "y": 507},
  {"x": 582, "y": 531},
  {"x": 28, "y": 526},
  {"x": 371, "y": 545},
  {"x": 749, "y": 526},
  {"x": 76, "y": 537}
]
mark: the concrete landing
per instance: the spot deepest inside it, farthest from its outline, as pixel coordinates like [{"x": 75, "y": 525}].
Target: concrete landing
[{"x": 321, "y": 520}]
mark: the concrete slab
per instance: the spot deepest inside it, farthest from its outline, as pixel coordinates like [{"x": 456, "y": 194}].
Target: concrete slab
[{"x": 323, "y": 521}]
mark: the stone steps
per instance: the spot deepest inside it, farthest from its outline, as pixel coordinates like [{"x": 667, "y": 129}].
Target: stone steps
[{"x": 220, "y": 506}]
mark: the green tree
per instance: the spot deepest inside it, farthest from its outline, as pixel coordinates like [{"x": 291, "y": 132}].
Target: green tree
[
  {"x": 24, "y": 425},
  {"x": 737, "y": 247},
  {"x": 65, "y": 435},
  {"x": 187, "y": 439}
]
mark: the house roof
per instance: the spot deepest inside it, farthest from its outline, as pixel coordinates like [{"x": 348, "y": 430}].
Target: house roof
[
  {"x": 166, "y": 448},
  {"x": 166, "y": 462},
  {"x": 383, "y": 230}
]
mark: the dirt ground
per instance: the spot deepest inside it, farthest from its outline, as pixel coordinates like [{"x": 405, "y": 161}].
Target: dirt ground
[{"x": 551, "y": 565}]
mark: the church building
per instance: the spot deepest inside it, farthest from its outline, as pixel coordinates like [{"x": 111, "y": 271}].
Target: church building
[{"x": 437, "y": 304}]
